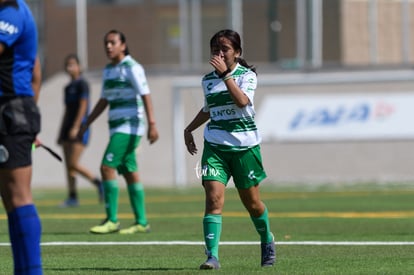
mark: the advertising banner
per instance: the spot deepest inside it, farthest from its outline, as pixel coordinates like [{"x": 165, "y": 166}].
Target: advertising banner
[{"x": 322, "y": 117}]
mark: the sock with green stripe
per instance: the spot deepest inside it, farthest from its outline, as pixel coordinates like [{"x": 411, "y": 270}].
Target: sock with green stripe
[
  {"x": 111, "y": 192},
  {"x": 137, "y": 199},
  {"x": 263, "y": 227},
  {"x": 212, "y": 231}
]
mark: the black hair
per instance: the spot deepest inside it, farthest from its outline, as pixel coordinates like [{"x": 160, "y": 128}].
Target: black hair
[
  {"x": 12, "y": 3},
  {"x": 71, "y": 56},
  {"x": 121, "y": 37},
  {"x": 235, "y": 41}
]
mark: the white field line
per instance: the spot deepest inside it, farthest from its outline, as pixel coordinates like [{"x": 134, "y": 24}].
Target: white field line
[{"x": 321, "y": 243}]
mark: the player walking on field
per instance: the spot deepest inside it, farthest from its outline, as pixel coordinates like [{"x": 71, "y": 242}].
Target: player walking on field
[
  {"x": 77, "y": 100},
  {"x": 231, "y": 145},
  {"x": 20, "y": 80},
  {"x": 125, "y": 90}
]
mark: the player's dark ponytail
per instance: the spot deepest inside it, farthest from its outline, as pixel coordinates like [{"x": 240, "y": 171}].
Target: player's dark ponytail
[{"x": 244, "y": 64}]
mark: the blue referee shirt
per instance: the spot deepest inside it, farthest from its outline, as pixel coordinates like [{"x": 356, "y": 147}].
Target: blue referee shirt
[{"x": 18, "y": 34}]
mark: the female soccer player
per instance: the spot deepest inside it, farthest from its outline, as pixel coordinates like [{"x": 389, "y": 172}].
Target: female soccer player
[
  {"x": 125, "y": 90},
  {"x": 231, "y": 145},
  {"x": 76, "y": 111}
]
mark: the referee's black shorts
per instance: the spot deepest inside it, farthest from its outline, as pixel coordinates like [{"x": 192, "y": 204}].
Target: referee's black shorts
[{"x": 19, "y": 125}]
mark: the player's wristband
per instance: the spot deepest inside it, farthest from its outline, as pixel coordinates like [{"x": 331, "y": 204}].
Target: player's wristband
[
  {"x": 224, "y": 73},
  {"x": 227, "y": 78}
]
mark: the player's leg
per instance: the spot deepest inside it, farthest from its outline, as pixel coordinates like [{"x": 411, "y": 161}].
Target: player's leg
[
  {"x": 77, "y": 149},
  {"x": 212, "y": 222},
  {"x": 72, "y": 199},
  {"x": 136, "y": 195},
  {"x": 23, "y": 219},
  {"x": 86, "y": 173},
  {"x": 248, "y": 172},
  {"x": 259, "y": 215},
  {"x": 257, "y": 210},
  {"x": 112, "y": 159},
  {"x": 15, "y": 187},
  {"x": 111, "y": 197},
  {"x": 215, "y": 175},
  {"x": 135, "y": 190}
]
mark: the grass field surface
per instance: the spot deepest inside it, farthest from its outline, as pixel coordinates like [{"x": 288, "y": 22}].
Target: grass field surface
[{"x": 348, "y": 230}]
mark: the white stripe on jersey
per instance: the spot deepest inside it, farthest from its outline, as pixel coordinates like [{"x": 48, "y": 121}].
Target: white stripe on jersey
[
  {"x": 123, "y": 85},
  {"x": 230, "y": 126}
]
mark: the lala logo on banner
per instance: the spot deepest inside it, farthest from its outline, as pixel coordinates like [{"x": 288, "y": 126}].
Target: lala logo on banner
[{"x": 341, "y": 115}]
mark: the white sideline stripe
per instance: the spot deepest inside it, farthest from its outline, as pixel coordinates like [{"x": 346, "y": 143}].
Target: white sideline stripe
[{"x": 321, "y": 243}]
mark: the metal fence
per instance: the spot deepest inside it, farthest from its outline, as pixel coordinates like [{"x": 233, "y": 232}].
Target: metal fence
[{"x": 285, "y": 34}]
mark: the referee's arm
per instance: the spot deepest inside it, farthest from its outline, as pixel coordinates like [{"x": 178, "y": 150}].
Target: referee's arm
[{"x": 36, "y": 78}]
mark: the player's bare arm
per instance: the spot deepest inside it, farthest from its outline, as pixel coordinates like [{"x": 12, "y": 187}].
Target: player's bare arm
[
  {"x": 83, "y": 107},
  {"x": 96, "y": 112},
  {"x": 152, "y": 134},
  {"x": 36, "y": 78},
  {"x": 199, "y": 120}
]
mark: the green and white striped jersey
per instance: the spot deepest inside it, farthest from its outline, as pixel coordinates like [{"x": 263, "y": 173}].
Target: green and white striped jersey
[
  {"x": 123, "y": 85},
  {"x": 230, "y": 128}
]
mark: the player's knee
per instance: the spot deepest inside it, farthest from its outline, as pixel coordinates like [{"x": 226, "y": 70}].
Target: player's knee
[
  {"x": 255, "y": 208},
  {"x": 107, "y": 172},
  {"x": 214, "y": 204},
  {"x": 73, "y": 168}
]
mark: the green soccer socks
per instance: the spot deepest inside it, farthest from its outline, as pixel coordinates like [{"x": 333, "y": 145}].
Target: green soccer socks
[
  {"x": 111, "y": 193},
  {"x": 263, "y": 227},
  {"x": 212, "y": 231},
  {"x": 137, "y": 199}
]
